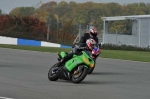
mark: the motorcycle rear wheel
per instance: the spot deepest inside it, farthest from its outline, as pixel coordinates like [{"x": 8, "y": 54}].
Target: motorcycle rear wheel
[
  {"x": 52, "y": 76},
  {"x": 77, "y": 78}
]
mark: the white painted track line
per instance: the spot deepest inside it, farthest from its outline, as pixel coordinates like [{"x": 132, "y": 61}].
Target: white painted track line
[{"x": 5, "y": 98}]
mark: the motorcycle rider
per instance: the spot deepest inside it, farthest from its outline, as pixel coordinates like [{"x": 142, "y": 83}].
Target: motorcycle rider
[
  {"x": 91, "y": 34},
  {"x": 90, "y": 46}
]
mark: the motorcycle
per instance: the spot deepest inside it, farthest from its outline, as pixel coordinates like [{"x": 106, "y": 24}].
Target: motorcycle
[
  {"x": 74, "y": 70},
  {"x": 96, "y": 54}
]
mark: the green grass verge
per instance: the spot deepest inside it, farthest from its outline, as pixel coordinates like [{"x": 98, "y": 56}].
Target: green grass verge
[
  {"x": 127, "y": 55},
  {"x": 115, "y": 54}
]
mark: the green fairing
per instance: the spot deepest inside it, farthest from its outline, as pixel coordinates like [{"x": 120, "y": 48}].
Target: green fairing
[
  {"x": 63, "y": 54},
  {"x": 76, "y": 60}
]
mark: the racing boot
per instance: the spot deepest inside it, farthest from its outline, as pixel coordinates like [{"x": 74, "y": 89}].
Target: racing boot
[
  {"x": 63, "y": 60},
  {"x": 59, "y": 64}
]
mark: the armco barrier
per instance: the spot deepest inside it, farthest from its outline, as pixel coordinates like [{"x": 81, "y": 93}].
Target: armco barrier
[
  {"x": 47, "y": 44},
  {"x": 64, "y": 46},
  {"x": 19, "y": 41},
  {"x": 8, "y": 40},
  {"x": 28, "y": 42}
]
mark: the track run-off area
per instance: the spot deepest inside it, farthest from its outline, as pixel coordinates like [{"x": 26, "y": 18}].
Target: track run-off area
[{"x": 23, "y": 75}]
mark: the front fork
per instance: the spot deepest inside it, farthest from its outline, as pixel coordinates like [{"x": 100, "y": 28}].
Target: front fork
[{"x": 79, "y": 69}]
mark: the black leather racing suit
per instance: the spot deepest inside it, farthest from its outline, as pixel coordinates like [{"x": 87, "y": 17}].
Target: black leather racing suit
[{"x": 82, "y": 42}]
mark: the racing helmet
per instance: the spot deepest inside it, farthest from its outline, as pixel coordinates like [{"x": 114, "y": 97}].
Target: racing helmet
[
  {"x": 93, "y": 32},
  {"x": 91, "y": 43}
]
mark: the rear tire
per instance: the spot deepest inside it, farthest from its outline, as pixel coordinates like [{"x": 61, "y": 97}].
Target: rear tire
[
  {"x": 82, "y": 75},
  {"x": 51, "y": 76}
]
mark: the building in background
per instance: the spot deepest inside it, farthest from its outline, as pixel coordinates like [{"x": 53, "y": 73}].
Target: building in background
[{"x": 140, "y": 31}]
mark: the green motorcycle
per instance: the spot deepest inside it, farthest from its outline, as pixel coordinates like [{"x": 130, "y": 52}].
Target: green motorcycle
[{"x": 74, "y": 70}]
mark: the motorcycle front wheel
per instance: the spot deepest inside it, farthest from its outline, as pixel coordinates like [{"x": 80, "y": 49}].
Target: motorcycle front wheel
[
  {"x": 52, "y": 76},
  {"x": 78, "y": 76}
]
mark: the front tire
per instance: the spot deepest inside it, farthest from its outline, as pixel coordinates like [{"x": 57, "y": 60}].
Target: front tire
[
  {"x": 77, "y": 78},
  {"x": 52, "y": 76}
]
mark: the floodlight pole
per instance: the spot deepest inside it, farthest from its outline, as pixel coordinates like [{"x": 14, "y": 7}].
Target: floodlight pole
[{"x": 48, "y": 31}]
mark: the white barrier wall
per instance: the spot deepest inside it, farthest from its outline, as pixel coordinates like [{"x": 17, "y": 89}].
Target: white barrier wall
[
  {"x": 19, "y": 41},
  {"x": 8, "y": 40},
  {"x": 47, "y": 44}
]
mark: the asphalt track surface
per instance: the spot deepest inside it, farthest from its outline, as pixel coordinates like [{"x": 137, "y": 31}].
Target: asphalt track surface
[{"x": 23, "y": 75}]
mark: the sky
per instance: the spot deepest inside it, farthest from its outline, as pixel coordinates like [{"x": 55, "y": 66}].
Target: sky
[{"x": 7, "y": 5}]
